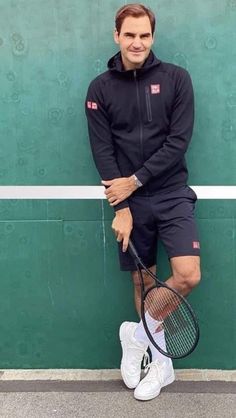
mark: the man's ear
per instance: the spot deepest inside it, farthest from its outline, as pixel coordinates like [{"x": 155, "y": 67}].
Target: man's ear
[{"x": 116, "y": 36}]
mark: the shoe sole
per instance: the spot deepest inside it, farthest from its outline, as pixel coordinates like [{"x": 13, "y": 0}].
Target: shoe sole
[{"x": 170, "y": 380}]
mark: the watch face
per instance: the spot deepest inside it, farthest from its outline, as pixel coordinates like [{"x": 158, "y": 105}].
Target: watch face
[{"x": 136, "y": 181}]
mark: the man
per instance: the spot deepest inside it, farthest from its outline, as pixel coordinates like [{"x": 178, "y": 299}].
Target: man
[{"x": 140, "y": 120}]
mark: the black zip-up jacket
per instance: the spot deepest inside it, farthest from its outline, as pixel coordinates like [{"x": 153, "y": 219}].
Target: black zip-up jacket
[{"x": 140, "y": 122}]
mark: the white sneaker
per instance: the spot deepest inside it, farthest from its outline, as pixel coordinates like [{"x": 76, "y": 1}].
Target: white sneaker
[
  {"x": 160, "y": 374},
  {"x": 132, "y": 354}
]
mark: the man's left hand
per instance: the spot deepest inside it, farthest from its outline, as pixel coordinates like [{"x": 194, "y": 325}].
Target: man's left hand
[{"x": 119, "y": 189}]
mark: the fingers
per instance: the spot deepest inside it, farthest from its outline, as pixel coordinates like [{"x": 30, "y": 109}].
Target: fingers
[
  {"x": 116, "y": 198},
  {"x": 115, "y": 202},
  {"x": 117, "y": 190},
  {"x": 107, "y": 182},
  {"x": 122, "y": 226},
  {"x": 119, "y": 237},
  {"x": 123, "y": 237},
  {"x": 125, "y": 243},
  {"x": 112, "y": 198},
  {"x": 110, "y": 193}
]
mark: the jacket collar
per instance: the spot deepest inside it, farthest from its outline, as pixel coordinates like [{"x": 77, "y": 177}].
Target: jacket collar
[{"x": 115, "y": 63}]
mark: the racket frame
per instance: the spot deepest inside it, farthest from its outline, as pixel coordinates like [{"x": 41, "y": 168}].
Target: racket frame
[{"x": 158, "y": 284}]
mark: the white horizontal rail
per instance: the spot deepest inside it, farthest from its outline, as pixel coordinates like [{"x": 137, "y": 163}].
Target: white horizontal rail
[{"x": 97, "y": 192}]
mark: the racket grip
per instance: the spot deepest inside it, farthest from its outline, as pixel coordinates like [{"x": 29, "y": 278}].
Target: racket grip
[{"x": 133, "y": 251}]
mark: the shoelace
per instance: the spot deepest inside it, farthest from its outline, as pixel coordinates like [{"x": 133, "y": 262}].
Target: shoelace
[{"x": 149, "y": 366}]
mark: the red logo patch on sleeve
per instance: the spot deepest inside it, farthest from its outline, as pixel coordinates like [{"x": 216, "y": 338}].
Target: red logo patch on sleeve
[
  {"x": 196, "y": 245},
  {"x": 89, "y": 105},
  {"x": 155, "y": 88},
  {"x": 94, "y": 106}
]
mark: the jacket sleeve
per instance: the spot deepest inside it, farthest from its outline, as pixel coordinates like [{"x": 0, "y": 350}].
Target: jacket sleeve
[
  {"x": 100, "y": 136},
  {"x": 180, "y": 132}
]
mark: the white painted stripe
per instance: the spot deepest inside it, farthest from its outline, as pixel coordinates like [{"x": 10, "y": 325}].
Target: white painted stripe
[
  {"x": 215, "y": 192},
  {"x": 97, "y": 192},
  {"x": 110, "y": 374},
  {"x": 52, "y": 192}
]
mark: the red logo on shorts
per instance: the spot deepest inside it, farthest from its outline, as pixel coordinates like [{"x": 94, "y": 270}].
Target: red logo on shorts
[
  {"x": 196, "y": 245},
  {"x": 155, "y": 88}
]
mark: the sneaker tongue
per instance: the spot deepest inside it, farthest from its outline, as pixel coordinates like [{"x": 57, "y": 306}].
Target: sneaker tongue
[{"x": 155, "y": 368}]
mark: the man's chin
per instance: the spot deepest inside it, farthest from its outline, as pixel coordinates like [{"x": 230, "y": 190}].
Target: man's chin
[{"x": 137, "y": 59}]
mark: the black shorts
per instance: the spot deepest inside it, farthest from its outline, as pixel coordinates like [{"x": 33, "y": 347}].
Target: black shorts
[{"x": 168, "y": 216}]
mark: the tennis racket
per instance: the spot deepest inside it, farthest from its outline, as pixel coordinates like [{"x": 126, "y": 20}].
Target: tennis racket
[{"x": 172, "y": 312}]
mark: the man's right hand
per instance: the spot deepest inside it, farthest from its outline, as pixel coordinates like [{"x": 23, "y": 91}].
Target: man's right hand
[{"x": 122, "y": 226}]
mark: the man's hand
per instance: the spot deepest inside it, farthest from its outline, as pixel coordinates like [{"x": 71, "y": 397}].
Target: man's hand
[
  {"x": 122, "y": 226},
  {"x": 119, "y": 189}
]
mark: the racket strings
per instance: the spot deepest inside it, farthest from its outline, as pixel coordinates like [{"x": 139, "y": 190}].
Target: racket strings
[
  {"x": 178, "y": 329},
  {"x": 167, "y": 307},
  {"x": 182, "y": 340},
  {"x": 176, "y": 343}
]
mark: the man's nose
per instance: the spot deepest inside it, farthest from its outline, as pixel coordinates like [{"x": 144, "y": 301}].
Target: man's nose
[{"x": 137, "y": 43}]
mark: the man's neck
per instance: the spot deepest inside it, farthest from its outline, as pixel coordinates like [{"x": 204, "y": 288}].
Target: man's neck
[
  {"x": 129, "y": 66},
  {"x": 132, "y": 67}
]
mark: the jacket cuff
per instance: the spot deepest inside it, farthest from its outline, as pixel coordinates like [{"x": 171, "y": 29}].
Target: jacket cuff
[
  {"x": 143, "y": 175},
  {"x": 121, "y": 205}
]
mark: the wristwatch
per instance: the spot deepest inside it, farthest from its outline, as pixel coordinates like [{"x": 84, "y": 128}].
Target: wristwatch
[{"x": 136, "y": 181}]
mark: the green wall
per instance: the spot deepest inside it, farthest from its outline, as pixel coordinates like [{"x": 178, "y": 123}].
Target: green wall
[{"x": 62, "y": 295}]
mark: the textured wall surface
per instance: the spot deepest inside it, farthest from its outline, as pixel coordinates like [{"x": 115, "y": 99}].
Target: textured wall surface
[{"x": 62, "y": 295}]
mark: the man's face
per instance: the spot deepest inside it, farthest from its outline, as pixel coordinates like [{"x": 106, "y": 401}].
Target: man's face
[{"x": 135, "y": 40}]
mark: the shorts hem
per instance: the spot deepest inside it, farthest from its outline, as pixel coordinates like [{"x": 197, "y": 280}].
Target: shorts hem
[
  {"x": 134, "y": 268},
  {"x": 185, "y": 254}
]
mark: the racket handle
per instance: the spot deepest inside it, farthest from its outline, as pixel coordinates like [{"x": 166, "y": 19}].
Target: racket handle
[{"x": 133, "y": 251}]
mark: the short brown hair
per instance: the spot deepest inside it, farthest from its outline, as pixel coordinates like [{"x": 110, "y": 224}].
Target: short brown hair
[{"x": 134, "y": 10}]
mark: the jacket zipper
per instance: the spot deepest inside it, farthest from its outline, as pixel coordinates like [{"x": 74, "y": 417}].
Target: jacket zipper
[
  {"x": 139, "y": 112},
  {"x": 148, "y": 104}
]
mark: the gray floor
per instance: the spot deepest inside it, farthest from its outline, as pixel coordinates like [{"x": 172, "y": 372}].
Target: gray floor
[{"x": 44, "y": 399}]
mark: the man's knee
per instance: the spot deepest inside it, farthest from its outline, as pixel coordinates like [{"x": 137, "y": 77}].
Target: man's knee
[
  {"x": 188, "y": 275},
  {"x": 190, "y": 278}
]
